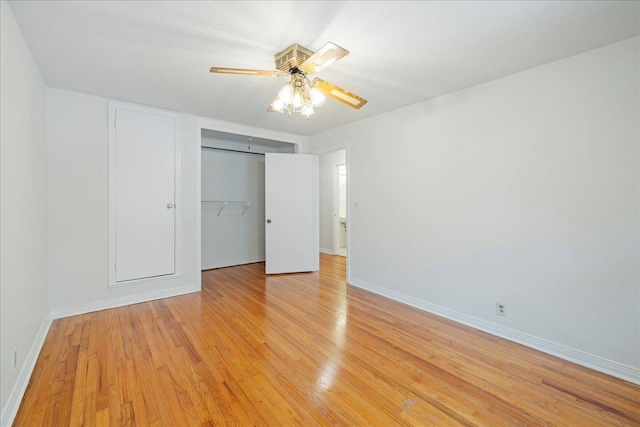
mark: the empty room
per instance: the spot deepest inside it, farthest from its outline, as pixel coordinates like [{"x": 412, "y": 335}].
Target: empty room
[{"x": 355, "y": 213}]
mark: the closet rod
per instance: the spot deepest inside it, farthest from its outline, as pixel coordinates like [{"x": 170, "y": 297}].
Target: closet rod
[{"x": 233, "y": 151}]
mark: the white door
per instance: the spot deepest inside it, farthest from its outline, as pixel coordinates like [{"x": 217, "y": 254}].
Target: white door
[
  {"x": 291, "y": 209},
  {"x": 145, "y": 177}
]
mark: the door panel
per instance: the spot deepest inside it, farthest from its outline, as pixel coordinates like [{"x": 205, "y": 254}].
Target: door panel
[
  {"x": 145, "y": 169},
  {"x": 291, "y": 209}
]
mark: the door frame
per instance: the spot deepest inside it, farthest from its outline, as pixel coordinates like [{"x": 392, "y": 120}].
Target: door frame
[
  {"x": 204, "y": 123},
  {"x": 111, "y": 142},
  {"x": 343, "y": 145},
  {"x": 336, "y": 207}
]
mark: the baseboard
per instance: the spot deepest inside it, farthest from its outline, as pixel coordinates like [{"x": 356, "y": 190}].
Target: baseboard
[
  {"x": 232, "y": 264},
  {"x": 598, "y": 363},
  {"x": 326, "y": 251},
  {"x": 74, "y": 310},
  {"x": 15, "y": 397}
]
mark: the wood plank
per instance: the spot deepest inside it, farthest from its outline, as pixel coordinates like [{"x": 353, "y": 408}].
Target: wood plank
[{"x": 303, "y": 349}]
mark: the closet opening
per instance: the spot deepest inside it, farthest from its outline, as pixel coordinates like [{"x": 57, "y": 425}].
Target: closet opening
[{"x": 232, "y": 168}]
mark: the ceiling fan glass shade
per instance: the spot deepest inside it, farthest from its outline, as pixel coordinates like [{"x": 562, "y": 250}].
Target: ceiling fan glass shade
[
  {"x": 316, "y": 97},
  {"x": 276, "y": 106},
  {"x": 307, "y": 110},
  {"x": 286, "y": 93}
]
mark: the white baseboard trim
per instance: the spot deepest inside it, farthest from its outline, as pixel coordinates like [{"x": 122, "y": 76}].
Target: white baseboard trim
[
  {"x": 598, "y": 363},
  {"x": 73, "y": 310},
  {"x": 326, "y": 251},
  {"x": 17, "y": 392},
  {"x": 232, "y": 264}
]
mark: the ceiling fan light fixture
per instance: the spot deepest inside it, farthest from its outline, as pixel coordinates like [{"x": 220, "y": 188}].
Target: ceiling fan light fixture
[
  {"x": 297, "y": 100},
  {"x": 317, "y": 98},
  {"x": 277, "y": 106},
  {"x": 299, "y": 94},
  {"x": 307, "y": 110},
  {"x": 286, "y": 93}
]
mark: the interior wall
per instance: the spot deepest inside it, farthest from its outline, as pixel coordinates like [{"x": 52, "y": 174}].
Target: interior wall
[
  {"x": 24, "y": 291},
  {"x": 328, "y": 208},
  {"x": 232, "y": 237},
  {"x": 78, "y": 208},
  {"x": 523, "y": 190}
]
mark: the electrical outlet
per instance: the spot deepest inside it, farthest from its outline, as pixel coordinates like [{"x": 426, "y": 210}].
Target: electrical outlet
[
  {"x": 15, "y": 358},
  {"x": 501, "y": 309}
]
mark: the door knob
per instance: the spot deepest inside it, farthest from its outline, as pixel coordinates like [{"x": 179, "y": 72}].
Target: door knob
[
  {"x": 268, "y": 221},
  {"x": 170, "y": 205}
]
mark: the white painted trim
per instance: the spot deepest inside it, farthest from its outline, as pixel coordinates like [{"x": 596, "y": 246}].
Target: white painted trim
[
  {"x": 113, "y": 106},
  {"x": 335, "y": 190},
  {"x": 17, "y": 392},
  {"x": 349, "y": 213},
  {"x": 598, "y": 363},
  {"x": 74, "y": 310},
  {"x": 256, "y": 132},
  {"x": 232, "y": 264},
  {"x": 154, "y": 279},
  {"x": 335, "y": 208},
  {"x": 198, "y": 201},
  {"x": 327, "y": 251}
]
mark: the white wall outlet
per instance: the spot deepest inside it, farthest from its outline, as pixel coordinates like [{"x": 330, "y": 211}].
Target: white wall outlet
[
  {"x": 501, "y": 309},
  {"x": 15, "y": 358}
]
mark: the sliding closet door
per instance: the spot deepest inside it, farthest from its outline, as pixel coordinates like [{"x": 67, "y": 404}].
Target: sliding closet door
[
  {"x": 291, "y": 208},
  {"x": 143, "y": 193}
]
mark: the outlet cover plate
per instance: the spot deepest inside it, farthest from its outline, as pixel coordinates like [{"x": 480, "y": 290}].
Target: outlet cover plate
[{"x": 501, "y": 309}]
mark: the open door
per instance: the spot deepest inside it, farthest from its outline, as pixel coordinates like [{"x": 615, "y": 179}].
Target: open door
[{"x": 291, "y": 209}]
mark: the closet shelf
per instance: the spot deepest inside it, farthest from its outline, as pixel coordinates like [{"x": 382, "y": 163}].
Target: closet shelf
[{"x": 244, "y": 203}]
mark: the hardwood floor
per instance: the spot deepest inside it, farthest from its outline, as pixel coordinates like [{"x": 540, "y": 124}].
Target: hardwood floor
[{"x": 303, "y": 349}]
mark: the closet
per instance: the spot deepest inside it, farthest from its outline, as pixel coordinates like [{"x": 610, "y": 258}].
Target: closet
[{"x": 233, "y": 197}]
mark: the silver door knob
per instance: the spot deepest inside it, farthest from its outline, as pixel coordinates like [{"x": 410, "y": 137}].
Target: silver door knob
[
  {"x": 170, "y": 205},
  {"x": 268, "y": 221}
]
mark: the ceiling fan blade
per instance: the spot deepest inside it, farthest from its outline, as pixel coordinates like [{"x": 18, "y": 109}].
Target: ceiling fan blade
[
  {"x": 325, "y": 56},
  {"x": 339, "y": 94},
  {"x": 247, "y": 72}
]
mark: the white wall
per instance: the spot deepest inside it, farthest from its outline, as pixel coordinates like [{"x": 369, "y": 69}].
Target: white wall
[
  {"x": 328, "y": 207},
  {"x": 522, "y": 190},
  {"x": 24, "y": 291},
  {"x": 78, "y": 208},
  {"x": 232, "y": 238}
]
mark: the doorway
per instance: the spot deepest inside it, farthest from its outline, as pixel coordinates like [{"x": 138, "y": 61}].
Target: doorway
[
  {"x": 334, "y": 220},
  {"x": 340, "y": 226}
]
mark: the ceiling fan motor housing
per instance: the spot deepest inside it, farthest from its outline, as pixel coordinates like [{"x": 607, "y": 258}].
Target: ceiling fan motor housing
[{"x": 292, "y": 57}]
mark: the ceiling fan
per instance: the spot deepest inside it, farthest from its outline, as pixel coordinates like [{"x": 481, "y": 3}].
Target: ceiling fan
[{"x": 300, "y": 94}]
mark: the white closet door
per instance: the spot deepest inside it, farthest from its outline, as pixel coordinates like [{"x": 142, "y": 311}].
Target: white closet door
[
  {"x": 145, "y": 177},
  {"x": 291, "y": 208}
]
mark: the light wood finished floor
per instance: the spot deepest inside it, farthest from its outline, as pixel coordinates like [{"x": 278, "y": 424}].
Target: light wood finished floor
[{"x": 303, "y": 349}]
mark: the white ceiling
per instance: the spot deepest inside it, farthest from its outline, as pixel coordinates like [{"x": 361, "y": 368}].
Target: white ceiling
[{"x": 159, "y": 53}]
